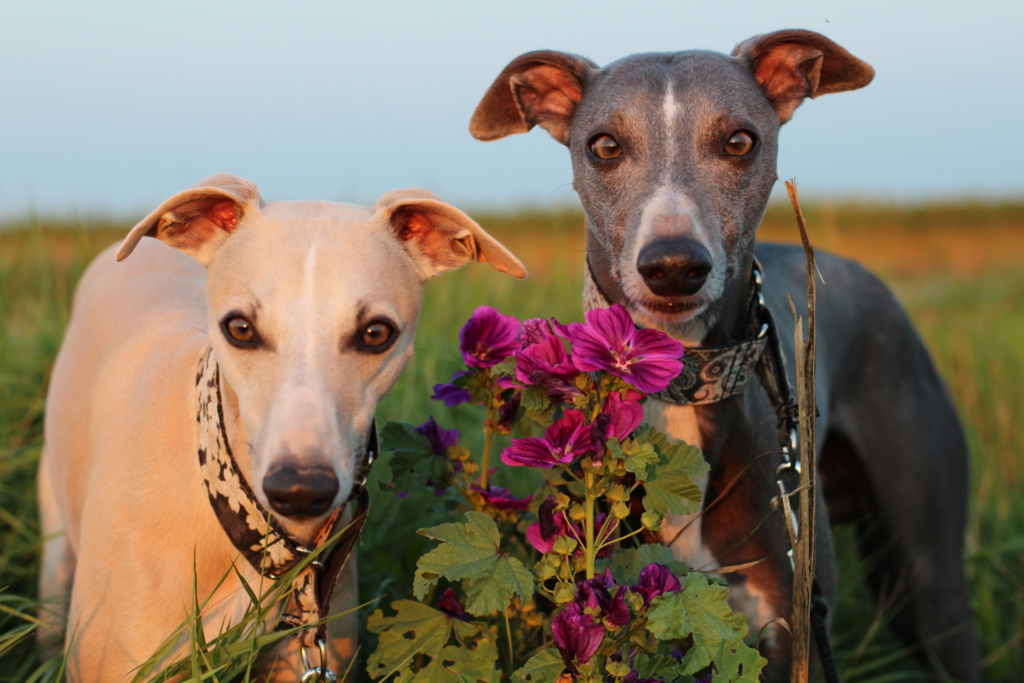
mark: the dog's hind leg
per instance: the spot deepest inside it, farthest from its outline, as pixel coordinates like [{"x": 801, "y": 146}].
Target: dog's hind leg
[
  {"x": 895, "y": 440},
  {"x": 58, "y": 567}
]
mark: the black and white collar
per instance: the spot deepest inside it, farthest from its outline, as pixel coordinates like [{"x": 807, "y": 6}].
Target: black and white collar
[{"x": 255, "y": 532}]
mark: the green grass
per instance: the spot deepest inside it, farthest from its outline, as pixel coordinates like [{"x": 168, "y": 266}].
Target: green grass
[{"x": 956, "y": 268}]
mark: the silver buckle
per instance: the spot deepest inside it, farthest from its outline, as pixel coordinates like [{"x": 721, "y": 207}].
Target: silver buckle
[{"x": 317, "y": 674}]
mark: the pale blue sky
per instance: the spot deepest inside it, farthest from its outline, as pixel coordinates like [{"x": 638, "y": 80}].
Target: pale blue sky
[{"x": 113, "y": 106}]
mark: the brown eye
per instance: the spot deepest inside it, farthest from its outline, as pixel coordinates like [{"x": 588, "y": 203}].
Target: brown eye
[
  {"x": 605, "y": 147},
  {"x": 740, "y": 143},
  {"x": 239, "y": 331},
  {"x": 377, "y": 336}
]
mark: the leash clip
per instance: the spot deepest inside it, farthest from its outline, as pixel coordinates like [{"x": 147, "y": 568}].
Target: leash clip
[
  {"x": 317, "y": 674},
  {"x": 316, "y": 564}
]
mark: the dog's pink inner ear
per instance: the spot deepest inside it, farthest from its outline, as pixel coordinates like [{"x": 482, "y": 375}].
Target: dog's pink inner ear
[
  {"x": 547, "y": 96},
  {"x": 793, "y": 64},
  {"x": 224, "y": 215},
  {"x": 789, "y": 72},
  {"x": 192, "y": 225},
  {"x": 413, "y": 223}
]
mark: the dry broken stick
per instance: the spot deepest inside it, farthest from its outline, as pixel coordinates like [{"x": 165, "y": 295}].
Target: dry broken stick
[{"x": 803, "y": 553}]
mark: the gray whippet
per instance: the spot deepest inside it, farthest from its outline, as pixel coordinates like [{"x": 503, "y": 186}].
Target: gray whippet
[
  {"x": 674, "y": 158},
  {"x": 200, "y": 418}
]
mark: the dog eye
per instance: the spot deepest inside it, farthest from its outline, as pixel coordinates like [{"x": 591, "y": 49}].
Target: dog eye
[
  {"x": 740, "y": 143},
  {"x": 239, "y": 331},
  {"x": 377, "y": 336},
  {"x": 605, "y": 147}
]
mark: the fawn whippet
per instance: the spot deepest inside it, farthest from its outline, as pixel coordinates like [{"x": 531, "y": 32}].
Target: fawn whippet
[
  {"x": 674, "y": 158},
  {"x": 269, "y": 365}
]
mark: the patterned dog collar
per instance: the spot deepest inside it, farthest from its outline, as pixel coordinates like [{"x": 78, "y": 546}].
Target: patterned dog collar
[
  {"x": 709, "y": 374},
  {"x": 255, "y": 532}
]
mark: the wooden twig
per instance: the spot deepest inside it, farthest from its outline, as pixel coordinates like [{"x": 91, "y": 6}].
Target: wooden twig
[{"x": 803, "y": 553}]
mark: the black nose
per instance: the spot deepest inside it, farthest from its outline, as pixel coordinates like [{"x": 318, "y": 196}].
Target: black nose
[
  {"x": 674, "y": 266},
  {"x": 300, "y": 492}
]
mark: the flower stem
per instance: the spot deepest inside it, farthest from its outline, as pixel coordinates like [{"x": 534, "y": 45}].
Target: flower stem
[
  {"x": 511, "y": 650},
  {"x": 588, "y": 508},
  {"x": 485, "y": 462},
  {"x": 620, "y": 538}
]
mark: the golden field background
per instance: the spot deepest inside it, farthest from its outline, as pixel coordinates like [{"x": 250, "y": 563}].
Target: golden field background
[{"x": 958, "y": 269}]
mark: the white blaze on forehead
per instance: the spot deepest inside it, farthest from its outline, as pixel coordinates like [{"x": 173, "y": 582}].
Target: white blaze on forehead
[
  {"x": 670, "y": 107},
  {"x": 308, "y": 296}
]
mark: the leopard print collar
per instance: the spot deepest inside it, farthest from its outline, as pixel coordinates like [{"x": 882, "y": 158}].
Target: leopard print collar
[{"x": 256, "y": 533}]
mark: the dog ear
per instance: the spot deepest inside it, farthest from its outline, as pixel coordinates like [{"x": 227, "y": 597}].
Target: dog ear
[
  {"x": 792, "y": 65},
  {"x": 538, "y": 88},
  {"x": 439, "y": 237},
  {"x": 198, "y": 220}
]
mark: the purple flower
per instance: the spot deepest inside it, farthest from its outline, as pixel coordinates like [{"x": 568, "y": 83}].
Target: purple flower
[
  {"x": 534, "y": 331},
  {"x": 451, "y": 395},
  {"x": 656, "y": 579},
  {"x": 594, "y": 595},
  {"x": 488, "y": 338},
  {"x": 634, "y": 677},
  {"x": 647, "y": 359},
  {"x": 547, "y": 364},
  {"x": 618, "y": 418},
  {"x": 451, "y": 606},
  {"x": 576, "y": 635},
  {"x": 543, "y": 533},
  {"x": 440, "y": 439},
  {"x": 563, "y": 441},
  {"x": 503, "y": 498}
]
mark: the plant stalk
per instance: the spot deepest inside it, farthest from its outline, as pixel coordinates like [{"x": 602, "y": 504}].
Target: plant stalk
[
  {"x": 485, "y": 462},
  {"x": 588, "y": 508}
]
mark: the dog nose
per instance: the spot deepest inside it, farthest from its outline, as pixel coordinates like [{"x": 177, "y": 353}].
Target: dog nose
[
  {"x": 674, "y": 266},
  {"x": 300, "y": 492}
]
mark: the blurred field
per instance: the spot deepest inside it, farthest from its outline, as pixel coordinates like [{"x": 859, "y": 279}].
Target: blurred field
[{"x": 957, "y": 268}]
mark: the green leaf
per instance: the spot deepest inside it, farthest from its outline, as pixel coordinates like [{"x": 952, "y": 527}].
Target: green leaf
[
  {"x": 638, "y": 452},
  {"x": 536, "y": 398},
  {"x": 413, "y": 463},
  {"x": 670, "y": 482},
  {"x": 627, "y": 563},
  {"x": 699, "y": 609},
  {"x": 664, "y": 667},
  {"x": 471, "y": 551},
  {"x": 417, "y": 629},
  {"x": 544, "y": 667},
  {"x": 739, "y": 663},
  {"x": 505, "y": 368}
]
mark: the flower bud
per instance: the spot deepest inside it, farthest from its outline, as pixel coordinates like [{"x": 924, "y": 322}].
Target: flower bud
[
  {"x": 620, "y": 510},
  {"x": 577, "y": 513},
  {"x": 460, "y": 453},
  {"x": 546, "y": 571},
  {"x": 470, "y": 467},
  {"x": 616, "y": 493},
  {"x": 634, "y": 600},
  {"x": 617, "y": 669},
  {"x": 651, "y": 520},
  {"x": 564, "y": 592},
  {"x": 562, "y": 502},
  {"x": 564, "y": 545},
  {"x": 579, "y": 563},
  {"x": 536, "y": 619},
  {"x": 564, "y": 572}
]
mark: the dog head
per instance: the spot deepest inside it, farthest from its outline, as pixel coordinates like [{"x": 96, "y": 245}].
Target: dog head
[
  {"x": 312, "y": 308},
  {"x": 674, "y": 158}
]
